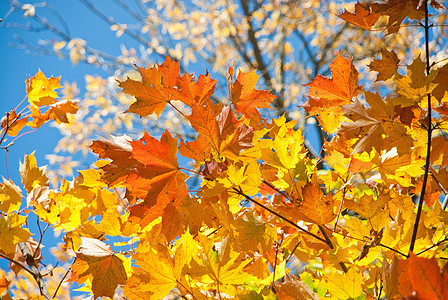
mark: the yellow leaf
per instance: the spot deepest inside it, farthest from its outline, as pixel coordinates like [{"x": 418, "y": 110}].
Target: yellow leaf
[
  {"x": 346, "y": 285},
  {"x": 10, "y": 196},
  {"x": 41, "y": 89},
  {"x": 12, "y": 233},
  {"x": 31, "y": 175}
]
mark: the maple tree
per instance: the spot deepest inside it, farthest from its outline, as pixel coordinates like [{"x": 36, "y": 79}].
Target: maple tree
[
  {"x": 231, "y": 211},
  {"x": 289, "y": 42}
]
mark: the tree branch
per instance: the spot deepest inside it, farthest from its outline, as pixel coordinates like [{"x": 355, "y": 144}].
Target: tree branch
[
  {"x": 34, "y": 270},
  {"x": 240, "y": 192},
  {"x": 429, "y": 131}
]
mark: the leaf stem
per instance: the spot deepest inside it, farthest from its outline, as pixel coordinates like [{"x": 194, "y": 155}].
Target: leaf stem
[{"x": 429, "y": 131}]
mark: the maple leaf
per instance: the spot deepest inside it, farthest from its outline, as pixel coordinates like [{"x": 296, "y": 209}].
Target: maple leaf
[
  {"x": 40, "y": 90},
  {"x": 32, "y": 176},
  {"x": 363, "y": 16},
  {"x": 193, "y": 92},
  {"x": 316, "y": 207},
  {"x": 95, "y": 259},
  {"x": 415, "y": 85},
  {"x": 253, "y": 231},
  {"x": 387, "y": 66},
  {"x": 159, "y": 271},
  {"x": 164, "y": 181},
  {"x": 13, "y": 122},
  {"x": 346, "y": 285},
  {"x": 391, "y": 274},
  {"x": 326, "y": 95},
  {"x": 58, "y": 111},
  {"x": 338, "y": 90},
  {"x": 441, "y": 89},
  {"x": 122, "y": 164},
  {"x": 217, "y": 126},
  {"x": 154, "y": 92},
  {"x": 224, "y": 266},
  {"x": 245, "y": 98},
  {"x": 12, "y": 233},
  {"x": 367, "y": 206},
  {"x": 375, "y": 126},
  {"x": 398, "y": 10},
  {"x": 10, "y": 196},
  {"x": 427, "y": 279}
]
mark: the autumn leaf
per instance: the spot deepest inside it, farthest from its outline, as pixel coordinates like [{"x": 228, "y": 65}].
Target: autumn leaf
[
  {"x": 122, "y": 164},
  {"x": 13, "y": 122},
  {"x": 164, "y": 181},
  {"x": 327, "y": 95},
  {"x": 95, "y": 259},
  {"x": 375, "y": 126},
  {"x": 415, "y": 85},
  {"x": 338, "y": 90},
  {"x": 10, "y": 196},
  {"x": 427, "y": 279},
  {"x": 245, "y": 98},
  {"x": 363, "y": 16},
  {"x": 193, "y": 92},
  {"x": 40, "y": 90},
  {"x": 391, "y": 274},
  {"x": 59, "y": 110},
  {"x": 397, "y": 11},
  {"x": 346, "y": 285},
  {"x": 387, "y": 66},
  {"x": 12, "y": 233},
  {"x": 154, "y": 92},
  {"x": 224, "y": 134},
  {"x": 316, "y": 207},
  {"x": 32, "y": 176},
  {"x": 224, "y": 267}
]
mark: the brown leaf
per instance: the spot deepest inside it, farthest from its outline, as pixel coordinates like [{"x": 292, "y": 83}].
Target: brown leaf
[{"x": 387, "y": 66}]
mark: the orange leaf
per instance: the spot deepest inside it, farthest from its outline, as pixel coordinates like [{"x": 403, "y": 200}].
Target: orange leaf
[
  {"x": 120, "y": 152},
  {"x": 59, "y": 110},
  {"x": 155, "y": 90},
  {"x": 195, "y": 93},
  {"x": 363, "y": 17},
  {"x": 340, "y": 89},
  {"x": 426, "y": 278},
  {"x": 245, "y": 98},
  {"x": 164, "y": 181},
  {"x": 158, "y": 156},
  {"x": 317, "y": 207}
]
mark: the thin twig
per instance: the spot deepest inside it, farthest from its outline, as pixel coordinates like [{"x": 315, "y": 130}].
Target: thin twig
[
  {"x": 240, "y": 192},
  {"x": 16, "y": 262},
  {"x": 60, "y": 282}
]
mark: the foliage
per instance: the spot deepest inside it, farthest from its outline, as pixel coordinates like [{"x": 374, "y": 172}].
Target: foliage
[
  {"x": 368, "y": 225},
  {"x": 289, "y": 42}
]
